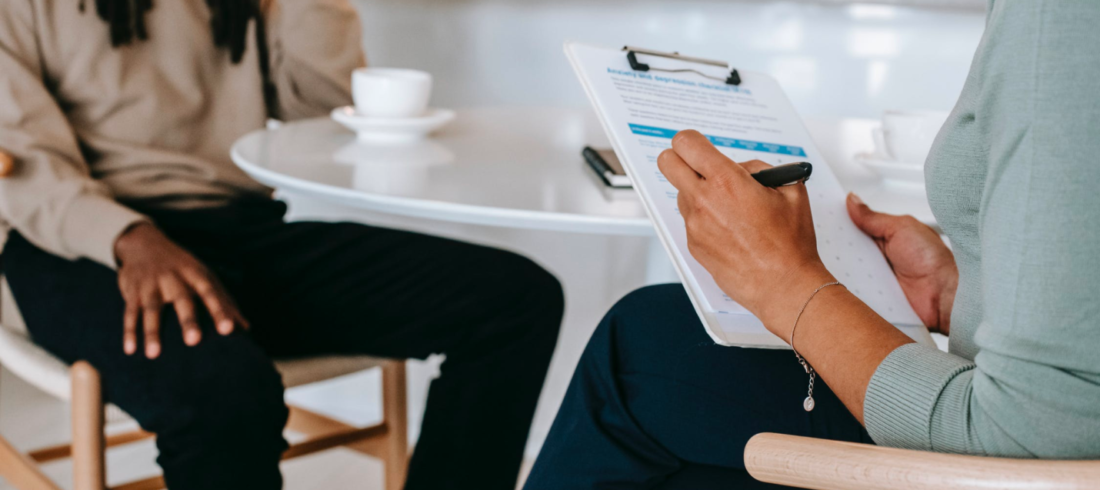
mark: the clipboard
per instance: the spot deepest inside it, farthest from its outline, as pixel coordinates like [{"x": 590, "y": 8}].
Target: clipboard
[{"x": 643, "y": 97}]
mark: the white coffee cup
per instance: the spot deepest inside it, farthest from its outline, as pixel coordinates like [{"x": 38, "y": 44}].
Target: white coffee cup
[
  {"x": 908, "y": 135},
  {"x": 391, "y": 92}
]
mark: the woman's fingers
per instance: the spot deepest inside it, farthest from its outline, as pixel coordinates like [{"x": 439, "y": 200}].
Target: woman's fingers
[
  {"x": 683, "y": 206},
  {"x": 753, "y": 166},
  {"x": 876, "y": 225},
  {"x": 701, "y": 155},
  {"x": 678, "y": 173},
  {"x": 795, "y": 193}
]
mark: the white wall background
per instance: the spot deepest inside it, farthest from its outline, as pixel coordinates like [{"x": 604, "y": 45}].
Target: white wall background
[{"x": 833, "y": 59}]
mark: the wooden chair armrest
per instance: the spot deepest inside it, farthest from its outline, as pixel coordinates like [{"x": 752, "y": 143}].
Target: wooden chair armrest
[
  {"x": 805, "y": 462},
  {"x": 7, "y": 164}
]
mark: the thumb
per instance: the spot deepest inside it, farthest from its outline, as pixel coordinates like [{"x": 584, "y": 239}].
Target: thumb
[{"x": 877, "y": 225}]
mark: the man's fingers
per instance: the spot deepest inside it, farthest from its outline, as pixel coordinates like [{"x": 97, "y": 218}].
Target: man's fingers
[
  {"x": 185, "y": 311},
  {"x": 698, "y": 152},
  {"x": 877, "y": 225},
  {"x": 242, "y": 321},
  {"x": 175, "y": 292},
  {"x": 678, "y": 173},
  {"x": 151, "y": 304},
  {"x": 219, "y": 311},
  {"x": 129, "y": 327},
  {"x": 151, "y": 317},
  {"x": 221, "y": 308}
]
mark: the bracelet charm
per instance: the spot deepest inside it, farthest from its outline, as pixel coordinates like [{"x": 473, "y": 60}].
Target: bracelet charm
[{"x": 808, "y": 403}]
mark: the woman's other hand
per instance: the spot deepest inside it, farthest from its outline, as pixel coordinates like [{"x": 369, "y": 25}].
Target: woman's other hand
[
  {"x": 757, "y": 242},
  {"x": 925, "y": 267},
  {"x": 155, "y": 272}
]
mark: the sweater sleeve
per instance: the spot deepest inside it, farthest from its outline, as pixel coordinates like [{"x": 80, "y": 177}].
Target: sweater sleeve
[
  {"x": 315, "y": 46},
  {"x": 1032, "y": 388},
  {"x": 51, "y": 199}
]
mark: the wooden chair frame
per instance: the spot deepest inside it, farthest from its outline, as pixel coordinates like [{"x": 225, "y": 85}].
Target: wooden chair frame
[
  {"x": 805, "y": 462},
  {"x": 387, "y": 440}
]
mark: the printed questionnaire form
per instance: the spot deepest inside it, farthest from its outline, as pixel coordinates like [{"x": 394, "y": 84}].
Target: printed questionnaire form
[{"x": 642, "y": 111}]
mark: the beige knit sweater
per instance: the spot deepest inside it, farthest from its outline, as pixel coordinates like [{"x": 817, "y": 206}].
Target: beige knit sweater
[{"x": 152, "y": 122}]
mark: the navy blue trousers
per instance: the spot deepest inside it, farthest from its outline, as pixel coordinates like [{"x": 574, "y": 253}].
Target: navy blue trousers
[
  {"x": 311, "y": 289},
  {"x": 655, "y": 403}
]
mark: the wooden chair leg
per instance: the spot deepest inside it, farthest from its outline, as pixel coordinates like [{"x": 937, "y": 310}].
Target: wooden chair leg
[
  {"x": 395, "y": 411},
  {"x": 20, "y": 471},
  {"x": 89, "y": 472}
]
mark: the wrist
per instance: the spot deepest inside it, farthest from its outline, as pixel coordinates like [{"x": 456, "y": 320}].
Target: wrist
[
  {"x": 781, "y": 308},
  {"x": 133, "y": 239}
]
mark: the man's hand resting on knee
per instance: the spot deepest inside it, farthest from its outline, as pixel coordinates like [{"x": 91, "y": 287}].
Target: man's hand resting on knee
[{"x": 154, "y": 272}]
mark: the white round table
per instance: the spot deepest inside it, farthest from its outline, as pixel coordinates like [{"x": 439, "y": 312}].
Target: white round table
[
  {"x": 515, "y": 167},
  {"x": 509, "y": 167}
]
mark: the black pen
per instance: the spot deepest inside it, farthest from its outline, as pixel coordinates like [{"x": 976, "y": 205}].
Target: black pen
[{"x": 784, "y": 174}]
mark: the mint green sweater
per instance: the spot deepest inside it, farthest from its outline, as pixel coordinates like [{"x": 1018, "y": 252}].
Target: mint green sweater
[{"x": 1014, "y": 180}]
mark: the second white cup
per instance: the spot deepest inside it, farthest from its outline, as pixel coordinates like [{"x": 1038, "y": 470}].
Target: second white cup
[
  {"x": 908, "y": 135},
  {"x": 391, "y": 92}
]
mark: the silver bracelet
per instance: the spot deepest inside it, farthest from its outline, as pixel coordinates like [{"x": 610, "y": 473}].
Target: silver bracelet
[{"x": 808, "y": 403}]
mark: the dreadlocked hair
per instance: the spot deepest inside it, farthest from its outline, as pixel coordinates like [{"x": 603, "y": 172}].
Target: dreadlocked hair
[{"x": 228, "y": 21}]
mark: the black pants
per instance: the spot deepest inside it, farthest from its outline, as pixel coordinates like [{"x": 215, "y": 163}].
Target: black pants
[
  {"x": 654, "y": 403},
  {"x": 311, "y": 288}
]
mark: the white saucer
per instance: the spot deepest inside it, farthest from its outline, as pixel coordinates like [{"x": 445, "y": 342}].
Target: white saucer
[
  {"x": 910, "y": 174},
  {"x": 385, "y": 130}
]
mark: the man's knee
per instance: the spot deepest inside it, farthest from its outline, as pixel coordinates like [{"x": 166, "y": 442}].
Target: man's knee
[
  {"x": 237, "y": 414},
  {"x": 249, "y": 400},
  {"x": 529, "y": 295},
  {"x": 531, "y": 285},
  {"x": 225, "y": 387},
  {"x": 525, "y": 304}
]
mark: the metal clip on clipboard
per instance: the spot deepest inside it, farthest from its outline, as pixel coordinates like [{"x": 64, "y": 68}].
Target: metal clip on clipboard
[{"x": 632, "y": 53}]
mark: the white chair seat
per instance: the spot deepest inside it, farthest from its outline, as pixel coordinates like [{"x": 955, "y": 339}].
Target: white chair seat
[
  {"x": 33, "y": 364},
  {"x": 25, "y": 359}
]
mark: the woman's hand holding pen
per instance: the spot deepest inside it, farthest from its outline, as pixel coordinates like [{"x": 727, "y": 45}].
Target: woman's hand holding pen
[
  {"x": 757, "y": 242},
  {"x": 759, "y": 245}
]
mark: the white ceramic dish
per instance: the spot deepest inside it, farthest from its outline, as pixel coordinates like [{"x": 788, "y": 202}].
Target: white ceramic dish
[
  {"x": 385, "y": 130},
  {"x": 892, "y": 170}
]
